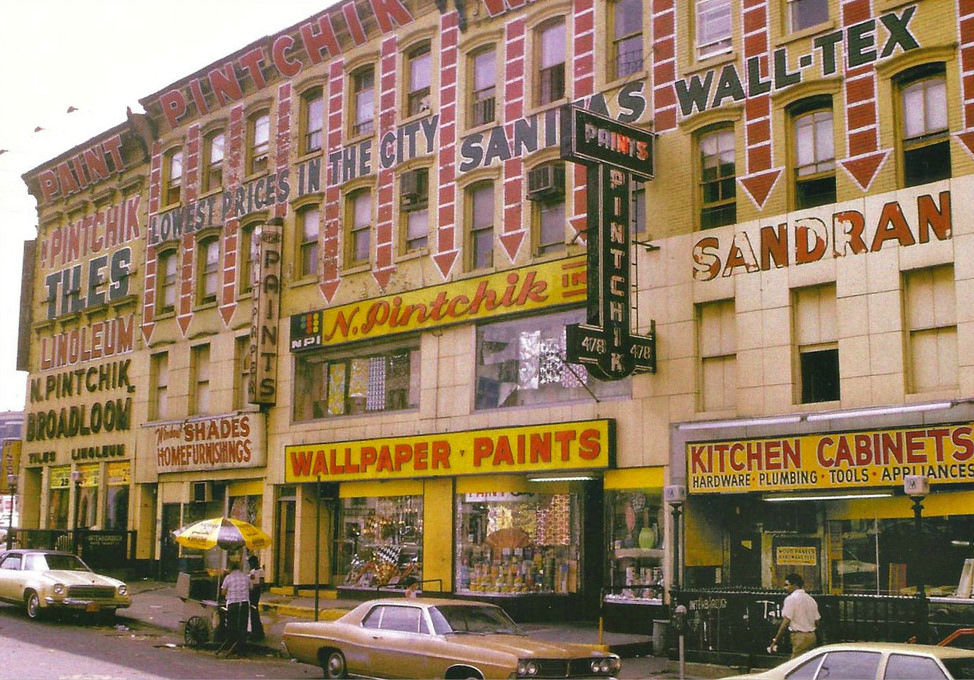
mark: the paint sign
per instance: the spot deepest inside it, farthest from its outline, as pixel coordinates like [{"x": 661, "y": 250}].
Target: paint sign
[
  {"x": 606, "y": 344},
  {"x": 582, "y": 445},
  {"x": 264, "y": 325}
]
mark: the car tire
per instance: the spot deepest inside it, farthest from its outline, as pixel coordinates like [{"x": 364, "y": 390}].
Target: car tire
[
  {"x": 32, "y": 605},
  {"x": 333, "y": 665}
]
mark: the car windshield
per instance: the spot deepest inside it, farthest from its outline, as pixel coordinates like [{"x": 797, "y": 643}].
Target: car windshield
[
  {"x": 472, "y": 619},
  {"x": 960, "y": 669},
  {"x": 41, "y": 562}
]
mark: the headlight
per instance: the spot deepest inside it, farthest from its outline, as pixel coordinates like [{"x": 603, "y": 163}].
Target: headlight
[
  {"x": 59, "y": 589},
  {"x": 605, "y": 666},
  {"x": 123, "y": 589},
  {"x": 526, "y": 668}
]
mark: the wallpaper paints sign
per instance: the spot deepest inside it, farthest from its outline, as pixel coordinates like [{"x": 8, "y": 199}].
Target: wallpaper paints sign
[{"x": 534, "y": 448}]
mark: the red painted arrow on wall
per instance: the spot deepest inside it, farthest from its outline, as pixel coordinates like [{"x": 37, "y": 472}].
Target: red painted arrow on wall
[{"x": 761, "y": 175}]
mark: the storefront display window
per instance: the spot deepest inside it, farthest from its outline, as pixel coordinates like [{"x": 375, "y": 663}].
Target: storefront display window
[
  {"x": 370, "y": 380},
  {"x": 635, "y": 539},
  {"x": 518, "y": 543},
  {"x": 246, "y": 509},
  {"x": 522, "y": 362},
  {"x": 57, "y": 502},
  {"x": 883, "y": 556},
  {"x": 118, "y": 476},
  {"x": 380, "y": 541}
]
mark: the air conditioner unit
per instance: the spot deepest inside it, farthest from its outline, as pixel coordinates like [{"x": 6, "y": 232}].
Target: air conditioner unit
[
  {"x": 546, "y": 182},
  {"x": 201, "y": 492}
]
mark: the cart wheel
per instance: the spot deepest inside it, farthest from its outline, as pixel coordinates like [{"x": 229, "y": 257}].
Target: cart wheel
[{"x": 196, "y": 632}]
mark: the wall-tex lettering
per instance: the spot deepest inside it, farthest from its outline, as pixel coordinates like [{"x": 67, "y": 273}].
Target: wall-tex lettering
[{"x": 863, "y": 43}]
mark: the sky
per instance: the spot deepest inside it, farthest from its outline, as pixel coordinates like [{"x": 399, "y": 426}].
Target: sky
[{"x": 98, "y": 57}]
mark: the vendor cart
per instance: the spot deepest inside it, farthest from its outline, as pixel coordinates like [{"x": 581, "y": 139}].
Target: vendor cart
[{"x": 204, "y": 613}]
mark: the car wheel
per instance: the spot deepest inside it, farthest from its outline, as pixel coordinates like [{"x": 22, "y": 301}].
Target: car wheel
[
  {"x": 32, "y": 603},
  {"x": 334, "y": 665}
]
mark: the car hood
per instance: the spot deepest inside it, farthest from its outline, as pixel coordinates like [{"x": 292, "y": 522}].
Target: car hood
[
  {"x": 524, "y": 647},
  {"x": 81, "y": 578}
]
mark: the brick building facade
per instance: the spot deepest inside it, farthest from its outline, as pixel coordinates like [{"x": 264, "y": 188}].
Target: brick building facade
[{"x": 340, "y": 309}]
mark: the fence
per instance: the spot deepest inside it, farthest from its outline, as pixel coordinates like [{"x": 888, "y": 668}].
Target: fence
[
  {"x": 112, "y": 551},
  {"x": 735, "y": 626}
]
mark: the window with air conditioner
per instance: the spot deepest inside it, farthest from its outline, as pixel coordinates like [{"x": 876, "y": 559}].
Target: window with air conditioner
[{"x": 546, "y": 182}]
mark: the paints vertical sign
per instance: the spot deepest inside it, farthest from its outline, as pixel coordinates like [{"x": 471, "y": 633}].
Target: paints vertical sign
[
  {"x": 614, "y": 153},
  {"x": 264, "y": 327}
]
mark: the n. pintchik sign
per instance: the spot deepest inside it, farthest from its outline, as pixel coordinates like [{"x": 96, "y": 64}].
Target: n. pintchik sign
[
  {"x": 517, "y": 290},
  {"x": 535, "y": 448},
  {"x": 837, "y": 460}
]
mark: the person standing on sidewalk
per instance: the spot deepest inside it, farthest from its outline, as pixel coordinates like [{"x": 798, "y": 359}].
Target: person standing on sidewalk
[
  {"x": 236, "y": 591},
  {"x": 256, "y": 588},
  {"x": 800, "y": 616}
]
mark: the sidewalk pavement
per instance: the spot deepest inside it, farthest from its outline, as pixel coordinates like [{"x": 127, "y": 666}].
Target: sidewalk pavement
[{"x": 156, "y": 604}]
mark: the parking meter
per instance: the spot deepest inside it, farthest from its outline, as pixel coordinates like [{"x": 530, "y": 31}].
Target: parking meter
[
  {"x": 680, "y": 625},
  {"x": 680, "y": 619}
]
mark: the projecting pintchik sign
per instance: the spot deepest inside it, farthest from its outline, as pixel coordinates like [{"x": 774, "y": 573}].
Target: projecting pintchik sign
[
  {"x": 264, "y": 324},
  {"x": 606, "y": 345}
]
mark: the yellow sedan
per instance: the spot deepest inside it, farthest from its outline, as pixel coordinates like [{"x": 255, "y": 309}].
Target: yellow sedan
[
  {"x": 437, "y": 638},
  {"x": 49, "y": 580},
  {"x": 875, "y": 661}
]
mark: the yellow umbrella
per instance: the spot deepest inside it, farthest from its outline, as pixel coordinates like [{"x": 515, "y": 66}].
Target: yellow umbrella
[{"x": 222, "y": 532}]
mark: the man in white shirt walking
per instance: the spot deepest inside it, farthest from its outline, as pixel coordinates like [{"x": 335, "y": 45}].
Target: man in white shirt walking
[{"x": 800, "y": 616}]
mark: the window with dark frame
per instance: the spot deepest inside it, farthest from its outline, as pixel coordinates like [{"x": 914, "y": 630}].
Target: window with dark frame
[
  {"x": 213, "y": 151},
  {"x": 814, "y": 149},
  {"x": 259, "y": 138},
  {"x": 310, "y": 220},
  {"x": 713, "y": 23},
  {"x": 208, "y": 272},
  {"x": 313, "y": 120},
  {"x": 551, "y": 62},
  {"x": 414, "y": 202},
  {"x": 168, "y": 262},
  {"x": 359, "y": 215},
  {"x": 483, "y": 97},
  {"x": 804, "y": 14},
  {"x": 480, "y": 213},
  {"x": 546, "y": 191},
  {"x": 926, "y": 131},
  {"x": 420, "y": 70},
  {"x": 820, "y": 375},
  {"x": 369, "y": 379},
  {"x": 718, "y": 178},
  {"x": 627, "y": 43},
  {"x": 174, "y": 176},
  {"x": 363, "y": 101},
  {"x": 246, "y": 259}
]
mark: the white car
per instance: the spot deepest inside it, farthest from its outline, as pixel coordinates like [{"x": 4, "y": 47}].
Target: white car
[
  {"x": 875, "y": 661},
  {"x": 47, "y": 580}
]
